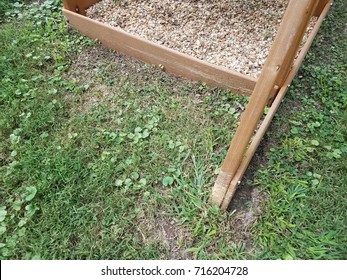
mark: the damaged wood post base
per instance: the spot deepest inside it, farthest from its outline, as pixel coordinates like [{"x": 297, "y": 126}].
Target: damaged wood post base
[{"x": 221, "y": 186}]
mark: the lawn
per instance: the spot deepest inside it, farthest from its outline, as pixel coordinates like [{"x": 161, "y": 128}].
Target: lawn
[{"x": 104, "y": 157}]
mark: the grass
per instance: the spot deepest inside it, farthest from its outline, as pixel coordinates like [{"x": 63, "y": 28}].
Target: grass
[
  {"x": 113, "y": 159},
  {"x": 304, "y": 172},
  {"x": 94, "y": 171}
]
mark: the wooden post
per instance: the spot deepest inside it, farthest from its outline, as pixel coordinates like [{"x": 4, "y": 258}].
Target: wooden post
[
  {"x": 269, "y": 116},
  {"x": 276, "y": 68}
]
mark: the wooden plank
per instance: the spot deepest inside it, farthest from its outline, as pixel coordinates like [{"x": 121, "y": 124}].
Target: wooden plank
[
  {"x": 266, "y": 122},
  {"x": 78, "y": 6},
  {"x": 280, "y": 80},
  {"x": 287, "y": 63},
  {"x": 172, "y": 61},
  {"x": 321, "y": 6},
  {"x": 276, "y": 67}
]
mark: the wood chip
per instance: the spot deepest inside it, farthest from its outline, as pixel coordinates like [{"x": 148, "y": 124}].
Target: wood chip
[{"x": 236, "y": 34}]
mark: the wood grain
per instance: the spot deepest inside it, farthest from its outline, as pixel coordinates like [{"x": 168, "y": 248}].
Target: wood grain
[
  {"x": 275, "y": 105},
  {"x": 172, "y": 61}
]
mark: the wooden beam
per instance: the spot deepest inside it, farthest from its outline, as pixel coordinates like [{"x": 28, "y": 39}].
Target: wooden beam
[
  {"x": 320, "y": 7},
  {"x": 276, "y": 68},
  {"x": 275, "y": 105},
  {"x": 171, "y": 60},
  {"x": 317, "y": 12}
]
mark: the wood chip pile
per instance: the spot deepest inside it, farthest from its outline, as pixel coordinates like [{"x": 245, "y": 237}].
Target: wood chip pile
[{"x": 236, "y": 34}]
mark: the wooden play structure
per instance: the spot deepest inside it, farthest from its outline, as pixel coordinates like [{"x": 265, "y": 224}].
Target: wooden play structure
[{"x": 269, "y": 89}]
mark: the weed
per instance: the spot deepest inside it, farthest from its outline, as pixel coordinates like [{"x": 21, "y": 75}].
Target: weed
[{"x": 117, "y": 160}]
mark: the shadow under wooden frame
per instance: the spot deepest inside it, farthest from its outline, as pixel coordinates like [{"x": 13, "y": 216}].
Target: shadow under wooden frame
[{"x": 269, "y": 89}]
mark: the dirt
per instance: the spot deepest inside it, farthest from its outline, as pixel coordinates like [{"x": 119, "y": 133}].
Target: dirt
[
  {"x": 247, "y": 204},
  {"x": 98, "y": 67},
  {"x": 173, "y": 236}
]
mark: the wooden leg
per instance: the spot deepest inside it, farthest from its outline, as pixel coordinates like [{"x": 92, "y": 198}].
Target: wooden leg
[
  {"x": 320, "y": 7},
  {"x": 275, "y": 105},
  {"x": 275, "y": 71}
]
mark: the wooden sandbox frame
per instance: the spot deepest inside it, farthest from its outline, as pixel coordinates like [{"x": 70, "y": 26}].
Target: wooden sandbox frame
[{"x": 269, "y": 89}]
